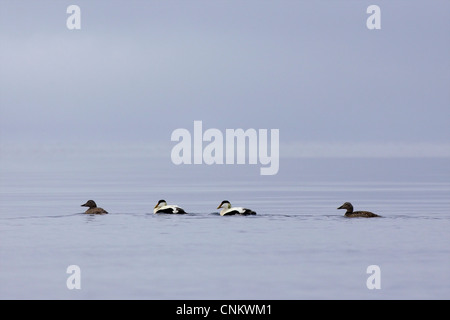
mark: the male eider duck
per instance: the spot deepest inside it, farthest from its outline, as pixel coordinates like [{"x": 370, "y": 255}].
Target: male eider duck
[
  {"x": 93, "y": 209},
  {"x": 350, "y": 214},
  {"x": 227, "y": 210},
  {"x": 162, "y": 207}
]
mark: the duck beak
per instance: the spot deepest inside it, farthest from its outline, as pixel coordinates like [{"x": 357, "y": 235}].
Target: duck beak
[
  {"x": 341, "y": 207},
  {"x": 84, "y": 205},
  {"x": 220, "y": 206}
]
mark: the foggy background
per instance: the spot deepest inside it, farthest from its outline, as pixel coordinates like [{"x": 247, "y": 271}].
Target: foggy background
[{"x": 137, "y": 70}]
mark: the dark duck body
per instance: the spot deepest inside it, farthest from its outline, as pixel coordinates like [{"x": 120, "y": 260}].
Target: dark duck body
[
  {"x": 93, "y": 209},
  {"x": 355, "y": 214}
]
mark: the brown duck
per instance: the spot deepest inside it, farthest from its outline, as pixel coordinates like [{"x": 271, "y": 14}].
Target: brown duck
[
  {"x": 354, "y": 214},
  {"x": 93, "y": 209}
]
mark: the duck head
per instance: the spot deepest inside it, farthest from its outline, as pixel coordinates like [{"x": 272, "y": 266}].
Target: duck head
[
  {"x": 348, "y": 206},
  {"x": 90, "y": 204},
  {"x": 161, "y": 203},
  {"x": 224, "y": 204}
]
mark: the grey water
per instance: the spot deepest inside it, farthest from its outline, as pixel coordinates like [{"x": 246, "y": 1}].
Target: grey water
[{"x": 298, "y": 246}]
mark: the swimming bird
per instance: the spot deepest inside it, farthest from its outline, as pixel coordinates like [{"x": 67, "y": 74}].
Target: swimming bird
[
  {"x": 353, "y": 214},
  {"x": 227, "y": 210},
  {"x": 93, "y": 209},
  {"x": 162, "y": 207}
]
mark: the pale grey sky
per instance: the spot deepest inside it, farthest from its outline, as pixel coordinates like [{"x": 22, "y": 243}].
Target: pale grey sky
[{"x": 137, "y": 70}]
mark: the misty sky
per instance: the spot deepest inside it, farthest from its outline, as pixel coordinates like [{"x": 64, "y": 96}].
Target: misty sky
[{"x": 137, "y": 70}]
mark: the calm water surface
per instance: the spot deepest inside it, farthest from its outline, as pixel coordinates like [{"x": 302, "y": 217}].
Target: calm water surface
[{"x": 297, "y": 247}]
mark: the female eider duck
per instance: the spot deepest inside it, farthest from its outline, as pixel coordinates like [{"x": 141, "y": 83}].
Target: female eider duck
[
  {"x": 162, "y": 207},
  {"x": 354, "y": 214},
  {"x": 227, "y": 210},
  {"x": 93, "y": 209}
]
